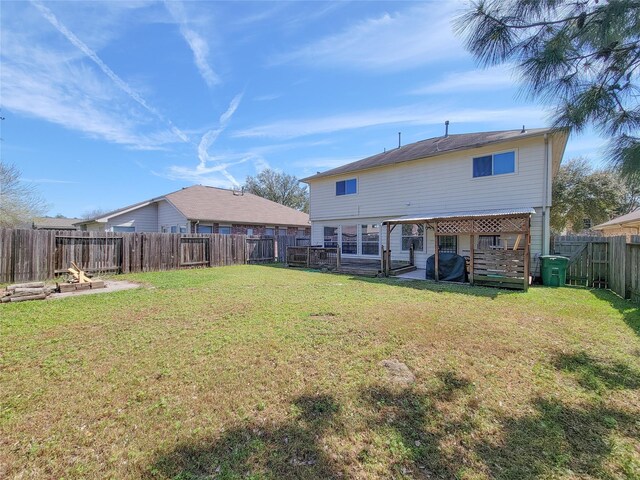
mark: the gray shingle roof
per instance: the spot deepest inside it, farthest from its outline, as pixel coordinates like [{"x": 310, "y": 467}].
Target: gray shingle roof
[
  {"x": 430, "y": 148},
  {"x": 52, "y": 223},
  {"x": 633, "y": 217},
  {"x": 217, "y": 204},
  {"x": 199, "y": 202}
]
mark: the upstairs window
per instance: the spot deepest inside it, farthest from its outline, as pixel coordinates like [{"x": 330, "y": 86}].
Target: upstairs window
[
  {"x": 496, "y": 164},
  {"x": 347, "y": 187}
]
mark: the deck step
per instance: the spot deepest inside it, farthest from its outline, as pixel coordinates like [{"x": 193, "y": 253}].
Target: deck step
[
  {"x": 401, "y": 270},
  {"x": 365, "y": 272}
]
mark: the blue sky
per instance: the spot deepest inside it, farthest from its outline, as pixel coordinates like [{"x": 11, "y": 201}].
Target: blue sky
[{"x": 107, "y": 104}]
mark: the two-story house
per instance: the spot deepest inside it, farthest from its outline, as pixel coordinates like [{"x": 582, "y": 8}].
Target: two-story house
[{"x": 464, "y": 176}]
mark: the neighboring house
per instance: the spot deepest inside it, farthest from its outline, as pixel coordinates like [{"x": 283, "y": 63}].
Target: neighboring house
[
  {"x": 628, "y": 224},
  {"x": 473, "y": 175},
  {"x": 200, "y": 209},
  {"x": 55, "y": 223}
]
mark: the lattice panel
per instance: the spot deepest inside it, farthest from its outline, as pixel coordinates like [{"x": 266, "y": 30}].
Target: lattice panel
[
  {"x": 454, "y": 226},
  {"x": 497, "y": 225}
]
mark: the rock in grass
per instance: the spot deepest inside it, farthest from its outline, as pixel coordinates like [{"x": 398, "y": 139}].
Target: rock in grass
[{"x": 398, "y": 372}]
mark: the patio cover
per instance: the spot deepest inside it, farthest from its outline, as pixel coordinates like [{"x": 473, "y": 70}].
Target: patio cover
[
  {"x": 462, "y": 215},
  {"x": 477, "y": 222}
]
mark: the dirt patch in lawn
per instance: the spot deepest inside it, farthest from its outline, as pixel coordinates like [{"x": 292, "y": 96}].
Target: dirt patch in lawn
[
  {"x": 109, "y": 286},
  {"x": 398, "y": 372}
]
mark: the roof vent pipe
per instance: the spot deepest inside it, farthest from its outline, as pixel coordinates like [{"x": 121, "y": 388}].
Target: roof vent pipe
[
  {"x": 399, "y": 136},
  {"x": 523, "y": 130},
  {"x": 446, "y": 128}
]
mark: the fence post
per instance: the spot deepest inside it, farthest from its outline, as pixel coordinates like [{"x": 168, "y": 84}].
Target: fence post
[
  {"x": 308, "y": 256},
  {"x": 590, "y": 266}
]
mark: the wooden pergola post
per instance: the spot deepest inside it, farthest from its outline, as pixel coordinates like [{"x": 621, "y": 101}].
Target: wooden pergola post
[
  {"x": 471, "y": 263},
  {"x": 437, "y": 254},
  {"x": 388, "y": 252},
  {"x": 527, "y": 254}
]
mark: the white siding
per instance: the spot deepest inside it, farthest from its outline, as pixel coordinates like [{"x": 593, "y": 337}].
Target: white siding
[
  {"x": 144, "y": 219},
  {"x": 442, "y": 183},
  {"x": 169, "y": 216},
  {"x": 95, "y": 227},
  {"x": 431, "y": 185}
]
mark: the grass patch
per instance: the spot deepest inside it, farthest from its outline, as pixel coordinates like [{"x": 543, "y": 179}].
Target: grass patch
[{"x": 265, "y": 372}]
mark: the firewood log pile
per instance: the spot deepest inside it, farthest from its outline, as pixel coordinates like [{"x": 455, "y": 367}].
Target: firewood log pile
[
  {"x": 21, "y": 292},
  {"x": 78, "y": 280}
]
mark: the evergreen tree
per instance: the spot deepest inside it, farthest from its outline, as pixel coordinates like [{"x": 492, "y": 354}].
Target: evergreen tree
[{"x": 582, "y": 56}]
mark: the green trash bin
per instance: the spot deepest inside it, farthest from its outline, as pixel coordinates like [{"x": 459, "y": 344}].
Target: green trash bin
[{"x": 554, "y": 270}]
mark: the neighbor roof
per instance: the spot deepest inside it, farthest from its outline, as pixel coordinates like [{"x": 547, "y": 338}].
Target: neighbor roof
[
  {"x": 431, "y": 148},
  {"x": 52, "y": 223},
  {"x": 631, "y": 219},
  {"x": 501, "y": 212},
  {"x": 220, "y": 205}
]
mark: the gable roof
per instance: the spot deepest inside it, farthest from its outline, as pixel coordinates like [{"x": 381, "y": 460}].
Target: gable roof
[
  {"x": 433, "y": 147},
  {"x": 212, "y": 204},
  {"x": 54, "y": 223},
  {"x": 220, "y": 205},
  {"x": 631, "y": 219}
]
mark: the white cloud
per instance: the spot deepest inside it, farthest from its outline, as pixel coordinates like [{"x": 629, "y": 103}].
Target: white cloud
[
  {"x": 409, "y": 115},
  {"x": 51, "y": 18},
  {"x": 267, "y": 97},
  {"x": 494, "y": 78},
  {"x": 261, "y": 164},
  {"x": 73, "y": 97},
  {"x": 208, "y": 164},
  {"x": 323, "y": 163},
  {"x": 196, "y": 42},
  {"x": 393, "y": 41},
  {"x": 587, "y": 145}
]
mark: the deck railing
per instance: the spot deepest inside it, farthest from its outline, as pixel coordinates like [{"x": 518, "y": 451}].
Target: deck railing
[{"x": 313, "y": 257}]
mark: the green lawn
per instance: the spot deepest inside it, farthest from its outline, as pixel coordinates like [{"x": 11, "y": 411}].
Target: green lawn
[{"x": 265, "y": 372}]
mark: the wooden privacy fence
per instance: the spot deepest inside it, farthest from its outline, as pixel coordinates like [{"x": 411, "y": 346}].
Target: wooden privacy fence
[
  {"x": 588, "y": 259},
  {"x": 602, "y": 262},
  {"x": 27, "y": 255}
]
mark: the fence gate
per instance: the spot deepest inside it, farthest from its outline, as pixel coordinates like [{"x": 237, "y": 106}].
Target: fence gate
[
  {"x": 588, "y": 260},
  {"x": 260, "y": 250}
]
